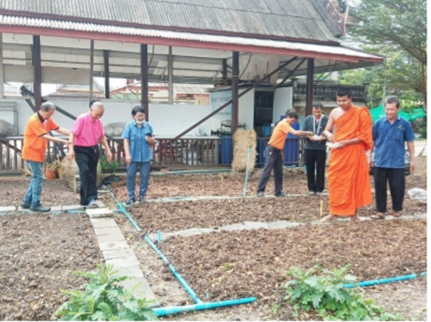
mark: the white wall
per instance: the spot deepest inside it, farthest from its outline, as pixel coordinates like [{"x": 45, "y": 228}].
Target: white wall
[
  {"x": 246, "y": 109},
  {"x": 166, "y": 120},
  {"x": 283, "y": 98}
]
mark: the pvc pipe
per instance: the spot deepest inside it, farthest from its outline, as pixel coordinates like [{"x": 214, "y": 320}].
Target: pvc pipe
[
  {"x": 384, "y": 280},
  {"x": 159, "y": 236},
  {"x": 163, "y": 311},
  {"x": 124, "y": 211},
  {"x": 246, "y": 172},
  {"x": 176, "y": 274}
]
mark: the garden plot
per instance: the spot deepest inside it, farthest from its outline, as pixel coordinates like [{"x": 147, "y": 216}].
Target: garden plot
[
  {"x": 54, "y": 192},
  {"x": 227, "y": 184},
  {"x": 38, "y": 254}
]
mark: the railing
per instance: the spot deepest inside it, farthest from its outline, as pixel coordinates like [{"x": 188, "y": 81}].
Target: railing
[
  {"x": 167, "y": 153},
  {"x": 329, "y": 92}
]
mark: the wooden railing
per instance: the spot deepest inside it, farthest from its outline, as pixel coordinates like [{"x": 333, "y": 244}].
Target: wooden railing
[
  {"x": 167, "y": 153},
  {"x": 326, "y": 92}
]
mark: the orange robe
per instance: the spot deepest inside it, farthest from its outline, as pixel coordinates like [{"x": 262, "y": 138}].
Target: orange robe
[{"x": 348, "y": 173}]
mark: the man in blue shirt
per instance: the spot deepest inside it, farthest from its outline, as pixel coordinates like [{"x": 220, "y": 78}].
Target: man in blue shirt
[
  {"x": 138, "y": 139},
  {"x": 389, "y": 136}
]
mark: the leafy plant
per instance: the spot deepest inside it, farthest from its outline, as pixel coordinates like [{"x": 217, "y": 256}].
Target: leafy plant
[
  {"x": 104, "y": 299},
  {"x": 109, "y": 167},
  {"x": 326, "y": 295}
]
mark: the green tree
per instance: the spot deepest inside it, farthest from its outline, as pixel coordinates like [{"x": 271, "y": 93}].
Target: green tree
[{"x": 397, "y": 30}]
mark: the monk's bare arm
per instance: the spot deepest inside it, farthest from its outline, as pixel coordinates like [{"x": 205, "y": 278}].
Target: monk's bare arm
[{"x": 327, "y": 132}]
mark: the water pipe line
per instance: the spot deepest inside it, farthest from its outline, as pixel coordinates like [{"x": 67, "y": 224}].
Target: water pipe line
[
  {"x": 384, "y": 280},
  {"x": 124, "y": 211},
  {"x": 247, "y": 172}
]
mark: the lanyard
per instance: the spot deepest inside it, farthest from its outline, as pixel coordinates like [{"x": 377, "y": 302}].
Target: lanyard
[{"x": 318, "y": 124}]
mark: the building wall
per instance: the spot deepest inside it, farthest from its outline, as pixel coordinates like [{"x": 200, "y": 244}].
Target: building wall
[{"x": 283, "y": 98}]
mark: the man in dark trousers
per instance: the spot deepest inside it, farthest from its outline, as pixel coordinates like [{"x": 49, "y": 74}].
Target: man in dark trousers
[
  {"x": 274, "y": 154},
  {"x": 315, "y": 149},
  {"x": 390, "y": 135}
]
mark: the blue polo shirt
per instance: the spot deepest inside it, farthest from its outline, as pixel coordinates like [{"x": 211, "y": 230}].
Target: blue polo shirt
[
  {"x": 389, "y": 142},
  {"x": 140, "y": 149}
]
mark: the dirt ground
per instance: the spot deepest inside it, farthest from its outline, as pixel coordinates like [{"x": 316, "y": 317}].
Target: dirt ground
[
  {"x": 54, "y": 192},
  {"x": 229, "y": 265},
  {"x": 38, "y": 254}
]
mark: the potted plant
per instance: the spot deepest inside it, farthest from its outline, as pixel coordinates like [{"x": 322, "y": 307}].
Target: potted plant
[
  {"x": 110, "y": 168},
  {"x": 51, "y": 169}
]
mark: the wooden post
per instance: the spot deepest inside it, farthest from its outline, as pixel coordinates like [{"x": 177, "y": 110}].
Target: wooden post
[
  {"x": 144, "y": 80},
  {"x": 37, "y": 69},
  {"x": 224, "y": 70},
  {"x": 310, "y": 81},
  {"x": 171, "y": 76},
  {"x": 235, "y": 89},
  {"x": 106, "y": 66},
  {"x": 91, "y": 67}
]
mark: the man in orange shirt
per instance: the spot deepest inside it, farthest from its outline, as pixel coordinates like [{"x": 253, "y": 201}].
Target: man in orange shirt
[
  {"x": 36, "y": 137},
  {"x": 348, "y": 178},
  {"x": 274, "y": 154}
]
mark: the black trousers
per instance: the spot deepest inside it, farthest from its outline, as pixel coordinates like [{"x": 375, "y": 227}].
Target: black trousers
[
  {"x": 87, "y": 159},
  {"x": 273, "y": 160},
  {"x": 315, "y": 163},
  {"x": 397, "y": 183}
]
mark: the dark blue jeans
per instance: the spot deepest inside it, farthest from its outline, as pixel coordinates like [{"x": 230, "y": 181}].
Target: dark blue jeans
[
  {"x": 144, "y": 169},
  {"x": 34, "y": 190}
]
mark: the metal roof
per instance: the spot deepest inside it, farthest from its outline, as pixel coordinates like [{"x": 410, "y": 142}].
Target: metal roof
[
  {"x": 187, "y": 39},
  {"x": 290, "y": 19}
]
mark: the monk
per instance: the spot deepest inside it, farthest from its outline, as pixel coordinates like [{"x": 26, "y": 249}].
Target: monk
[{"x": 348, "y": 178}]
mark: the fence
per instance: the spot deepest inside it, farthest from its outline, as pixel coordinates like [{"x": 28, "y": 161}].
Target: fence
[{"x": 167, "y": 153}]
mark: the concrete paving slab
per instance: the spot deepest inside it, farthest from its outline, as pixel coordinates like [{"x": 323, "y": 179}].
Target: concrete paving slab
[
  {"x": 73, "y": 207},
  {"x": 422, "y": 216},
  {"x": 111, "y": 237},
  {"x": 133, "y": 271},
  {"x": 233, "y": 227},
  {"x": 99, "y": 212},
  {"x": 100, "y": 231},
  {"x": 103, "y": 222},
  {"x": 119, "y": 244},
  {"x": 26, "y": 211},
  {"x": 57, "y": 209},
  {"x": 281, "y": 224},
  {"x": 208, "y": 230},
  {"x": 164, "y": 236},
  {"x": 188, "y": 232},
  {"x": 142, "y": 290},
  {"x": 121, "y": 262},
  {"x": 7, "y": 209},
  {"x": 117, "y": 253},
  {"x": 255, "y": 225}
]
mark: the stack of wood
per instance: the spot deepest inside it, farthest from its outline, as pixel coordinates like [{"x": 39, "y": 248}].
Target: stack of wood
[{"x": 242, "y": 141}]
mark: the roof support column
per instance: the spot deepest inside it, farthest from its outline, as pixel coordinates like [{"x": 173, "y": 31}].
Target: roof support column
[
  {"x": 106, "y": 66},
  {"x": 91, "y": 67},
  {"x": 37, "y": 72},
  {"x": 224, "y": 70},
  {"x": 170, "y": 76},
  {"x": 235, "y": 89},
  {"x": 144, "y": 80},
  {"x": 310, "y": 81},
  {"x": 1, "y": 68}
]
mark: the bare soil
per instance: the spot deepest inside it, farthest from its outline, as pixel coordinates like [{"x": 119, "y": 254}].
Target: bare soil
[
  {"x": 38, "y": 254},
  {"x": 54, "y": 192}
]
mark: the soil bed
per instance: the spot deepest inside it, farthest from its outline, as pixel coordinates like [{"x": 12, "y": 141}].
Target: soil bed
[
  {"x": 54, "y": 192},
  {"x": 38, "y": 254}
]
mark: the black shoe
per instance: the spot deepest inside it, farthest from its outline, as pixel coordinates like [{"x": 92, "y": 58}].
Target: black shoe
[
  {"x": 281, "y": 194},
  {"x": 129, "y": 202},
  {"x": 260, "y": 194},
  {"x": 40, "y": 208},
  {"x": 25, "y": 205}
]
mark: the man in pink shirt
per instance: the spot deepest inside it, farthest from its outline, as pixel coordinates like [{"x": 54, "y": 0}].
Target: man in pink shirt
[{"x": 85, "y": 135}]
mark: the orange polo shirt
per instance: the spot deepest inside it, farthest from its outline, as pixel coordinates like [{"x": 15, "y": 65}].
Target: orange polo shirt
[
  {"x": 34, "y": 145},
  {"x": 278, "y": 137}
]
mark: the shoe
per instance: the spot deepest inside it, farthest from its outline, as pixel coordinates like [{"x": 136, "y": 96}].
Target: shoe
[
  {"x": 92, "y": 204},
  {"x": 260, "y": 194},
  {"x": 310, "y": 193},
  {"x": 129, "y": 202},
  {"x": 281, "y": 194},
  {"x": 25, "y": 205},
  {"x": 142, "y": 200},
  {"x": 40, "y": 208}
]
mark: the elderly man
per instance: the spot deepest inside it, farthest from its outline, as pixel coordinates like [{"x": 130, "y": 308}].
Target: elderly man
[
  {"x": 84, "y": 137},
  {"x": 36, "y": 137}
]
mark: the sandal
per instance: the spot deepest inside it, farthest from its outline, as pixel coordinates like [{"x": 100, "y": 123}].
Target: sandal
[
  {"x": 378, "y": 215},
  {"x": 398, "y": 216}
]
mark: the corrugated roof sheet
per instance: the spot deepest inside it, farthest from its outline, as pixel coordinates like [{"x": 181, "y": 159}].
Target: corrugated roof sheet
[
  {"x": 284, "y": 18},
  {"x": 186, "y": 36}
]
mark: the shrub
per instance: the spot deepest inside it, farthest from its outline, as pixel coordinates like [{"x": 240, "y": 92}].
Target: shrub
[
  {"x": 109, "y": 167},
  {"x": 104, "y": 300},
  {"x": 326, "y": 295}
]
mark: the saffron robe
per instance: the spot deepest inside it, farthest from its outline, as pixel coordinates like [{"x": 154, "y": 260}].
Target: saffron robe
[{"x": 348, "y": 173}]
